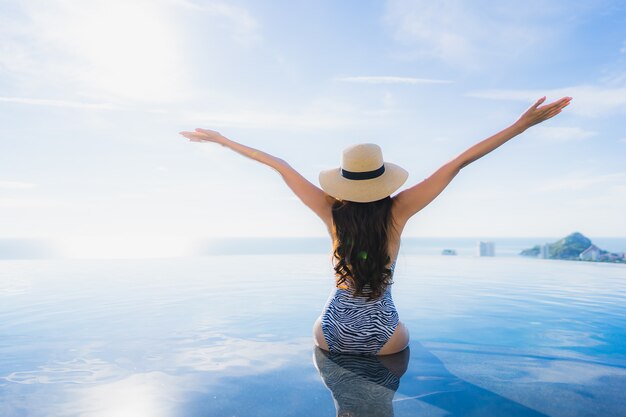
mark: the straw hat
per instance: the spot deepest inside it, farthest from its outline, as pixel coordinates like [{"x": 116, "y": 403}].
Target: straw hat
[{"x": 363, "y": 176}]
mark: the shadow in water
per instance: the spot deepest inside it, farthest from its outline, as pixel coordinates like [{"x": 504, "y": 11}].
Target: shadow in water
[
  {"x": 362, "y": 385},
  {"x": 430, "y": 384},
  {"x": 365, "y": 386}
]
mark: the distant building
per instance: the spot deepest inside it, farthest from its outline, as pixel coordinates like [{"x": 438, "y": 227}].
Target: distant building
[
  {"x": 590, "y": 254},
  {"x": 611, "y": 257},
  {"x": 545, "y": 251},
  {"x": 486, "y": 249}
]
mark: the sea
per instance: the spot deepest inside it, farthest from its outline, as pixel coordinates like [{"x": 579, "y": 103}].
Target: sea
[{"x": 227, "y": 332}]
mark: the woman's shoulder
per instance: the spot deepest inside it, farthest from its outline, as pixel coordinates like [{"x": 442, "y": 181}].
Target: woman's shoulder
[{"x": 398, "y": 215}]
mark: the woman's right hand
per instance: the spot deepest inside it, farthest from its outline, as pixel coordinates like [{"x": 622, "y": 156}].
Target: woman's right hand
[{"x": 204, "y": 135}]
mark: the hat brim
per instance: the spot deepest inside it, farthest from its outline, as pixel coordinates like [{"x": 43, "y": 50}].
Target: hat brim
[{"x": 363, "y": 191}]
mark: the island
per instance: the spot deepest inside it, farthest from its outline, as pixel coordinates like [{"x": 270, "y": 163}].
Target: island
[{"x": 574, "y": 247}]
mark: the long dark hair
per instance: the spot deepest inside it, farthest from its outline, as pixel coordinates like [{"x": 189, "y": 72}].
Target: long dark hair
[{"x": 360, "y": 246}]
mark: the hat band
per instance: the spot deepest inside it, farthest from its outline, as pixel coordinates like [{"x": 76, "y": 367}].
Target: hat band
[{"x": 366, "y": 175}]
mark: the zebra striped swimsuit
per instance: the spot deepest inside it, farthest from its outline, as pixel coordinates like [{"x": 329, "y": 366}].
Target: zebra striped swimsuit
[{"x": 357, "y": 325}]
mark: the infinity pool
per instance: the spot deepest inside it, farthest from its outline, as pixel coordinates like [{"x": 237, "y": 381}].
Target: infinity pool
[{"x": 230, "y": 335}]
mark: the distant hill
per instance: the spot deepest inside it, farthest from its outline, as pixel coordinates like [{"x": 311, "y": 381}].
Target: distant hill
[{"x": 576, "y": 247}]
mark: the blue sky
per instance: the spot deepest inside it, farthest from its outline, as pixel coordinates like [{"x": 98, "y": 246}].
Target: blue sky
[{"x": 94, "y": 93}]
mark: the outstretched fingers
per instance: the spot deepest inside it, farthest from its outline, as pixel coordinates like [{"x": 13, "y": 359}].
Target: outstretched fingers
[
  {"x": 538, "y": 102},
  {"x": 537, "y": 113},
  {"x": 192, "y": 136},
  {"x": 555, "y": 108},
  {"x": 207, "y": 132},
  {"x": 203, "y": 135},
  {"x": 558, "y": 104}
]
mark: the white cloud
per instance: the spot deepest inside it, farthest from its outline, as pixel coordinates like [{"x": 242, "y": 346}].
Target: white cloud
[
  {"x": 391, "y": 80},
  {"x": 109, "y": 49},
  {"x": 244, "y": 27},
  {"x": 322, "y": 112},
  {"x": 388, "y": 100},
  {"x": 610, "y": 200},
  {"x": 268, "y": 120},
  {"x": 71, "y": 104},
  {"x": 8, "y": 202},
  {"x": 579, "y": 182},
  {"x": 474, "y": 34},
  {"x": 16, "y": 185},
  {"x": 112, "y": 50},
  {"x": 61, "y": 103},
  {"x": 562, "y": 134},
  {"x": 588, "y": 100}
]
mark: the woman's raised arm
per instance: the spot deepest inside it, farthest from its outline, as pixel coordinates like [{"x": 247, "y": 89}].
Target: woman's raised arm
[
  {"x": 312, "y": 196},
  {"x": 412, "y": 200}
]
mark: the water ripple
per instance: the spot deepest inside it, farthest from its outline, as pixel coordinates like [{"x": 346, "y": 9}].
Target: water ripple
[{"x": 75, "y": 371}]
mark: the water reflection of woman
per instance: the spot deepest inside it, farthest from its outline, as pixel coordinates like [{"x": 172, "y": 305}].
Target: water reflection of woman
[{"x": 362, "y": 385}]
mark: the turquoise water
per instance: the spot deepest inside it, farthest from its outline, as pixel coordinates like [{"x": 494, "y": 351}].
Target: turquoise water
[{"x": 230, "y": 335}]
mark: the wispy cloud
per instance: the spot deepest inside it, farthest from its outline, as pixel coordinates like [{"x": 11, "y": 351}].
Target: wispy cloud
[
  {"x": 16, "y": 185},
  {"x": 476, "y": 34},
  {"x": 562, "y": 134},
  {"x": 579, "y": 182},
  {"x": 268, "y": 120},
  {"x": 611, "y": 200},
  {"x": 239, "y": 21},
  {"x": 324, "y": 112},
  {"x": 72, "y": 104},
  {"x": 13, "y": 203},
  {"x": 391, "y": 80},
  {"x": 61, "y": 103},
  {"x": 589, "y": 100}
]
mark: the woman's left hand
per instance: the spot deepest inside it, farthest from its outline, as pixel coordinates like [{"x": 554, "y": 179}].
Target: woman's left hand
[
  {"x": 204, "y": 135},
  {"x": 536, "y": 114}
]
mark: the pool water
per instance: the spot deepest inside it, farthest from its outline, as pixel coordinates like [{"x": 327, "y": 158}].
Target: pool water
[{"x": 230, "y": 335}]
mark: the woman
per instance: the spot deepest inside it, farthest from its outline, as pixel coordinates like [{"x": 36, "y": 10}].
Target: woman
[{"x": 365, "y": 224}]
